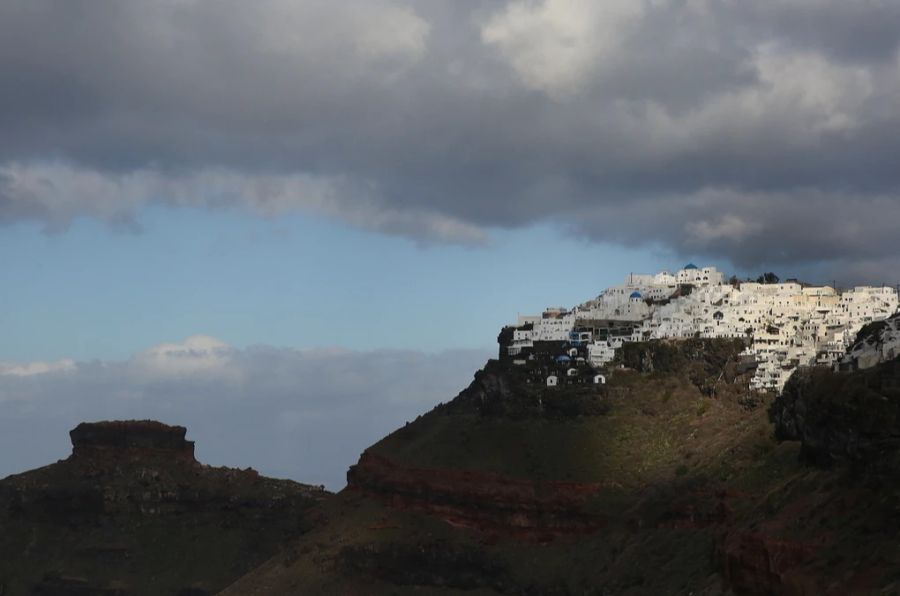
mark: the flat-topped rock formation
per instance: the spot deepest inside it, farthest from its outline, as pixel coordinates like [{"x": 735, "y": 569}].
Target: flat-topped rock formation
[{"x": 131, "y": 438}]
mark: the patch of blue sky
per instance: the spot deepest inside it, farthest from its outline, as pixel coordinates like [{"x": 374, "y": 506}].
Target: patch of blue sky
[{"x": 94, "y": 291}]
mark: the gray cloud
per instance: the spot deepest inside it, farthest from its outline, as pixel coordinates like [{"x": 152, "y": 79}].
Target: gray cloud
[
  {"x": 852, "y": 31},
  {"x": 762, "y": 133},
  {"x": 289, "y": 413}
]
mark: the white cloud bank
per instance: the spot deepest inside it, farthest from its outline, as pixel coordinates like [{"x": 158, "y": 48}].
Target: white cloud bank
[
  {"x": 554, "y": 45},
  {"x": 29, "y": 369},
  {"x": 302, "y": 414}
]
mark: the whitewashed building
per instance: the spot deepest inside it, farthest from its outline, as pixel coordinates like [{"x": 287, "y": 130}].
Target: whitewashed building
[{"x": 787, "y": 324}]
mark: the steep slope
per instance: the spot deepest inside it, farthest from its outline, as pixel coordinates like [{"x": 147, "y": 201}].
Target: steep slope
[
  {"x": 132, "y": 512},
  {"x": 842, "y": 418},
  {"x": 669, "y": 479},
  {"x": 847, "y": 418},
  {"x": 517, "y": 488}
]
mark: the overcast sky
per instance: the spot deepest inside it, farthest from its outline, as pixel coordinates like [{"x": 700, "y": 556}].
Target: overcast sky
[
  {"x": 388, "y": 174},
  {"x": 300, "y": 414}
]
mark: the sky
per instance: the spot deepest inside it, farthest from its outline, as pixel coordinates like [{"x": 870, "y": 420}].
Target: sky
[{"x": 294, "y": 224}]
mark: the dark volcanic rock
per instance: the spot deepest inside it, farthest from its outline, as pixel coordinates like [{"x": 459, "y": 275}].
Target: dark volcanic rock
[
  {"x": 134, "y": 437},
  {"x": 501, "y": 390},
  {"x": 841, "y": 416},
  {"x": 491, "y": 384},
  {"x": 708, "y": 356}
]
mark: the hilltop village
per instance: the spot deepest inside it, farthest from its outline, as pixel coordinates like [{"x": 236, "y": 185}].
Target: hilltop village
[{"x": 785, "y": 325}]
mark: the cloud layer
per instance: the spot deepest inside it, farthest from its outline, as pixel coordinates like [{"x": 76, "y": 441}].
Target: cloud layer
[
  {"x": 706, "y": 126},
  {"x": 305, "y": 414}
]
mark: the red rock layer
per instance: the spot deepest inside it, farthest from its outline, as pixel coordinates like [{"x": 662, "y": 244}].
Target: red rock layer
[{"x": 480, "y": 500}]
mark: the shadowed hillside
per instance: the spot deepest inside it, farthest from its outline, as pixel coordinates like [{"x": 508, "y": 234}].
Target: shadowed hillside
[
  {"x": 518, "y": 488},
  {"x": 132, "y": 512},
  {"x": 668, "y": 479}
]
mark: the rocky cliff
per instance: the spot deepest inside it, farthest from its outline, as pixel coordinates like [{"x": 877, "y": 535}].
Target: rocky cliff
[
  {"x": 842, "y": 416},
  {"x": 143, "y": 439},
  {"x": 131, "y": 512}
]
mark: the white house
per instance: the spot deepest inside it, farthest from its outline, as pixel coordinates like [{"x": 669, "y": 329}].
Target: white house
[{"x": 789, "y": 325}]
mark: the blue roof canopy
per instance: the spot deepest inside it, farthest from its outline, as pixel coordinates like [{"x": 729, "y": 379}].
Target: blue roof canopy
[
  {"x": 636, "y": 295},
  {"x": 690, "y": 266}
]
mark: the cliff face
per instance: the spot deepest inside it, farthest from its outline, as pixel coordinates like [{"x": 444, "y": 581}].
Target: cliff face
[
  {"x": 132, "y": 512},
  {"x": 841, "y": 416},
  {"x": 697, "y": 357},
  {"x": 136, "y": 439},
  {"x": 505, "y": 391}
]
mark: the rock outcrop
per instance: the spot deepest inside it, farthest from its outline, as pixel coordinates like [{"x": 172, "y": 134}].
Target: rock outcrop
[
  {"x": 502, "y": 390},
  {"x": 710, "y": 357},
  {"x": 840, "y": 416},
  {"x": 131, "y": 438},
  {"x": 131, "y": 512}
]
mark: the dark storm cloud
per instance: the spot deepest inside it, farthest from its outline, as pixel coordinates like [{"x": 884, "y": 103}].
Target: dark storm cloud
[
  {"x": 306, "y": 415},
  {"x": 854, "y": 31},
  {"x": 756, "y": 131}
]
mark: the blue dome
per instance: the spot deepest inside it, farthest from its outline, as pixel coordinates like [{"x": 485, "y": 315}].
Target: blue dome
[
  {"x": 690, "y": 266},
  {"x": 636, "y": 295}
]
